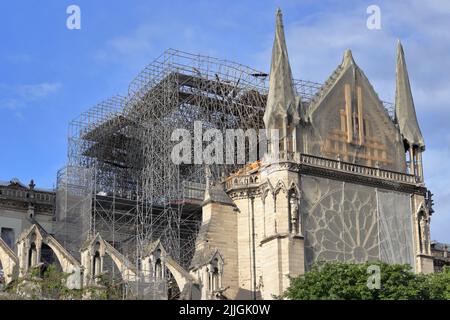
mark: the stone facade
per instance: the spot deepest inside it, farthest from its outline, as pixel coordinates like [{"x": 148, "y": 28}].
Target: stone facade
[
  {"x": 346, "y": 185},
  {"x": 29, "y": 253},
  {"x": 20, "y": 203},
  {"x": 441, "y": 255},
  {"x": 93, "y": 253}
]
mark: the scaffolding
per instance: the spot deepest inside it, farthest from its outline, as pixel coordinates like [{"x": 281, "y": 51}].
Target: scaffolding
[
  {"x": 120, "y": 180},
  {"x": 171, "y": 93}
]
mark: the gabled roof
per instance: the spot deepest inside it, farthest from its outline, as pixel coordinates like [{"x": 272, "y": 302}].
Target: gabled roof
[
  {"x": 47, "y": 238},
  {"x": 13, "y": 182},
  {"x": 348, "y": 63},
  {"x": 216, "y": 254},
  {"x": 204, "y": 257},
  {"x": 35, "y": 227},
  {"x": 152, "y": 246},
  {"x": 215, "y": 193},
  {"x": 90, "y": 240}
]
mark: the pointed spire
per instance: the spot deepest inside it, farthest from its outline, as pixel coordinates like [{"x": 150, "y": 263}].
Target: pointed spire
[
  {"x": 405, "y": 112},
  {"x": 214, "y": 192},
  {"x": 208, "y": 176},
  {"x": 348, "y": 58},
  {"x": 281, "y": 101}
]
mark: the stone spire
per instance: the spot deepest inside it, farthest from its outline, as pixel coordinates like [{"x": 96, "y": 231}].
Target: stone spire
[
  {"x": 214, "y": 192},
  {"x": 208, "y": 177},
  {"x": 281, "y": 109},
  {"x": 405, "y": 112},
  {"x": 348, "y": 58}
]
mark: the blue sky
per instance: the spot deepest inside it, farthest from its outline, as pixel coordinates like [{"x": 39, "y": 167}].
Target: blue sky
[{"x": 49, "y": 74}]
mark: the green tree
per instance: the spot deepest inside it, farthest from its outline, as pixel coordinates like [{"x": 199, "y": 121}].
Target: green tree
[
  {"x": 339, "y": 280},
  {"x": 438, "y": 284}
]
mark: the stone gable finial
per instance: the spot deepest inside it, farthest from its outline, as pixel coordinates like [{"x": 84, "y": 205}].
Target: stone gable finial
[
  {"x": 282, "y": 105},
  {"x": 405, "y": 112},
  {"x": 32, "y": 185}
]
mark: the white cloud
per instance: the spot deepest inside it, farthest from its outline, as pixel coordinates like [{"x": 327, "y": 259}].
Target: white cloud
[
  {"x": 38, "y": 91},
  {"x": 14, "y": 97},
  {"x": 128, "y": 49},
  {"x": 137, "y": 48},
  {"x": 135, "y": 44}
]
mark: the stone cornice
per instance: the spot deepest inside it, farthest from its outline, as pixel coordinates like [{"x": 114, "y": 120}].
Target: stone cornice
[
  {"x": 17, "y": 205},
  {"x": 242, "y": 186},
  {"x": 363, "y": 180}
]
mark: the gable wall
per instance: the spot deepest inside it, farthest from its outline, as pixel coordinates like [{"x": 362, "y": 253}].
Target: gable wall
[{"x": 328, "y": 134}]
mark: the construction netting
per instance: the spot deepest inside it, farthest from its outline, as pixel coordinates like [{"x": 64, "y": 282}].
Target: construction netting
[{"x": 355, "y": 223}]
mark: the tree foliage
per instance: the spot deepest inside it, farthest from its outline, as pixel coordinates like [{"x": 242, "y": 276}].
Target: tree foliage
[{"x": 346, "y": 281}]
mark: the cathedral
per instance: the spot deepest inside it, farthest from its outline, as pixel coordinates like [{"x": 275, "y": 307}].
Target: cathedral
[
  {"x": 347, "y": 186},
  {"x": 343, "y": 182}
]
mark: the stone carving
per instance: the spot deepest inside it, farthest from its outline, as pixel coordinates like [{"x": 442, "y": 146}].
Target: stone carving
[
  {"x": 29, "y": 247},
  {"x": 294, "y": 214},
  {"x": 424, "y": 232},
  {"x": 156, "y": 261},
  {"x": 92, "y": 256}
]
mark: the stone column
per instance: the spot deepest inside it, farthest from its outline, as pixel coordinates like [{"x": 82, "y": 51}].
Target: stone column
[
  {"x": 411, "y": 161},
  {"x": 205, "y": 286},
  {"x": 101, "y": 263},
  {"x": 38, "y": 252},
  {"x": 163, "y": 268},
  {"x": 420, "y": 166}
]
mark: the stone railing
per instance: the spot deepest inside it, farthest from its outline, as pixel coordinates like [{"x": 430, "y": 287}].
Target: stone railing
[
  {"x": 440, "y": 254},
  {"x": 27, "y": 195},
  {"x": 319, "y": 162},
  {"x": 356, "y": 169},
  {"x": 243, "y": 180}
]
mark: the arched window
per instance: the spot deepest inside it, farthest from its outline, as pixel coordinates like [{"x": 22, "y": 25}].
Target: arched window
[
  {"x": 215, "y": 280},
  {"x": 158, "y": 269},
  {"x": 48, "y": 257},
  {"x": 158, "y": 264},
  {"x": 97, "y": 268},
  {"x": 32, "y": 255},
  {"x": 215, "y": 275}
]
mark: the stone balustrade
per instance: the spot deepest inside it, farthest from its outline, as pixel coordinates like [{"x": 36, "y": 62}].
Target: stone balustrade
[
  {"x": 25, "y": 195},
  {"x": 324, "y": 163},
  {"x": 357, "y": 169}
]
